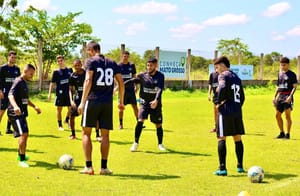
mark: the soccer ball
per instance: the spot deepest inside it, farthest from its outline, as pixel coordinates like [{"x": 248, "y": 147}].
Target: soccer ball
[
  {"x": 66, "y": 161},
  {"x": 256, "y": 174}
]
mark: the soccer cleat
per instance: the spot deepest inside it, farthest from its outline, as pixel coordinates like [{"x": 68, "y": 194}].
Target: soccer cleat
[
  {"x": 144, "y": 127},
  {"x": 240, "y": 170},
  {"x": 87, "y": 170},
  {"x": 221, "y": 172},
  {"x": 99, "y": 139},
  {"x": 281, "y": 135},
  {"x": 161, "y": 147},
  {"x": 287, "y": 136},
  {"x": 19, "y": 158},
  {"x": 9, "y": 131},
  {"x": 213, "y": 130},
  {"x": 60, "y": 128},
  {"x": 23, "y": 164},
  {"x": 134, "y": 147},
  {"x": 121, "y": 127},
  {"x": 72, "y": 137},
  {"x": 105, "y": 171}
]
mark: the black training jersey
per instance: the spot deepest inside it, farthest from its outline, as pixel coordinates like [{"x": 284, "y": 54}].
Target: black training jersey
[
  {"x": 230, "y": 93},
  {"x": 150, "y": 85},
  {"x": 19, "y": 90},
  {"x": 61, "y": 78},
  {"x": 213, "y": 81},
  {"x": 77, "y": 80},
  {"x": 285, "y": 82},
  {"x": 104, "y": 71},
  {"x": 127, "y": 71},
  {"x": 7, "y": 76}
]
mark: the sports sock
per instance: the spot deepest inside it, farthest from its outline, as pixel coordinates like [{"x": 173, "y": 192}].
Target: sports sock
[
  {"x": 138, "y": 131},
  {"x": 97, "y": 133},
  {"x": 73, "y": 132},
  {"x": 160, "y": 134},
  {"x": 103, "y": 163},
  {"x": 8, "y": 125},
  {"x": 22, "y": 157},
  {"x": 239, "y": 151},
  {"x": 59, "y": 123},
  {"x": 89, "y": 164},
  {"x": 121, "y": 121},
  {"x": 222, "y": 154}
]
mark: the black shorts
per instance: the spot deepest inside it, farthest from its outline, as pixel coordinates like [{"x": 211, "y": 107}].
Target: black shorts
[
  {"x": 230, "y": 125},
  {"x": 19, "y": 124},
  {"x": 282, "y": 106},
  {"x": 62, "y": 100},
  {"x": 4, "y": 103},
  {"x": 155, "y": 114},
  {"x": 129, "y": 98},
  {"x": 101, "y": 112}
]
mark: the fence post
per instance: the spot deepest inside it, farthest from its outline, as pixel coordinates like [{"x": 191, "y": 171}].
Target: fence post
[
  {"x": 189, "y": 67},
  {"x": 215, "y": 54},
  {"x": 122, "y": 50},
  {"x": 261, "y": 67},
  {"x": 298, "y": 67}
]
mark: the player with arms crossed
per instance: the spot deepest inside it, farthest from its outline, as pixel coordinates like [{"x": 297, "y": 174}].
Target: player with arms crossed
[
  {"x": 8, "y": 73},
  {"x": 97, "y": 104},
  {"x": 151, "y": 87},
  {"x": 128, "y": 72},
  {"x": 283, "y": 99},
  {"x": 17, "y": 110},
  {"x": 60, "y": 78},
  {"x": 230, "y": 100}
]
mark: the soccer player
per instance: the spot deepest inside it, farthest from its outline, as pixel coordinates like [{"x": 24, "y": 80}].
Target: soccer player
[
  {"x": 8, "y": 73},
  {"x": 151, "y": 87},
  {"x": 230, "y": 123},
  {"x": 60, "y": 78},
  {"x": 17, "y": 110},
  {"x": 283, "y": 99},
  {"x": 128, "y": 71},
  {"x": 96, "y": 104},
  {"x": 212, "y": 87}
]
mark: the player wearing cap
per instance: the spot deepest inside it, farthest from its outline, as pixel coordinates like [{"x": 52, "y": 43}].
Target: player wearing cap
[
  {"x": 230, "y": 123},
  {"x": 151, "y": 87},
  {"x": 283, "y": 99}
]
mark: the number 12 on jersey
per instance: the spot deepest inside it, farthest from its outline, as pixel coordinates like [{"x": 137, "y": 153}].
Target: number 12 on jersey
[{"x": 236, "y": 92}]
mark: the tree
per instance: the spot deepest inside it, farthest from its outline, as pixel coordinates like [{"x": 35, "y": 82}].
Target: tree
[
  {"x": 38, "y": 33},
  {"x": 148, "y": 54},
  {"x": 5, "y": 34},
  {"x": 135, "y": 58},
  {"x": 198, "y": 62},
  {"x": 233, "y": 49}
]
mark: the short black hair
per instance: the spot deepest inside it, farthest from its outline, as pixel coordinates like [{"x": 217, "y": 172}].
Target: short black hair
[
  {"x": 222, "y": 59},
  {"x": 93, "y": 45},
  {"x": 285, "y": 60},
  {"x": 12, "y": 53},
  {"x": 152, "y": 60},
  {"x": 126, "y": 52},
  {"x": 29, "y": 66}
]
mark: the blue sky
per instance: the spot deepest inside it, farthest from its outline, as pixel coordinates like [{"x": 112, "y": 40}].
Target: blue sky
[{"x": 265, "y": 26}]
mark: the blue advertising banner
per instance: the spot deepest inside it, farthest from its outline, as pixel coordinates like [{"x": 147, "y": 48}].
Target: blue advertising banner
[
  {"x": 245, "y": 72},
  {"x": 173, "y": 64}
]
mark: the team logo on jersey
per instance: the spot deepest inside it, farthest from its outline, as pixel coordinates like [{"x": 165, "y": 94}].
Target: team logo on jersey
[{"x": 155, "y": 81}]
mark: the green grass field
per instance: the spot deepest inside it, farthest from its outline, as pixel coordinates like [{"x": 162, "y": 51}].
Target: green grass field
[{"x": 184, "y": 169}]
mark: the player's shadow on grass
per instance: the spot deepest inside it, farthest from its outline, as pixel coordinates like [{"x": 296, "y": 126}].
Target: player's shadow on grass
[
  {"x": 44, "y": 136},
  {"x": 256, "y": 134},
  {"x": 16, "y": 150},
  {"x": 120, "y": 142},
  {"x": 170, "y": 151},
  {"x": 153, "y": 129},
  {"x": 279, "y": 176},
  {"x": 46, "y": 165},
  {"x": 145, "y": 177}
]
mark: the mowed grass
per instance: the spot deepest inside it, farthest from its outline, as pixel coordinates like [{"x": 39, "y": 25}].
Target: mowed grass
[{"x": 184, "y": 169}]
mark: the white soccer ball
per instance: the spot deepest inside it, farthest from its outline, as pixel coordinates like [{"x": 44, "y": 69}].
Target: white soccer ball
[
  {"x": 256, "y": 174},
  {"x": 66, "y": 161}
]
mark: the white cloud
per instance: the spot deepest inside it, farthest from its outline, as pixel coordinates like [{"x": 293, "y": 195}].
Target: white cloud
[
  {"x": 39, "y": 4},
  {"x": 171, "y": 18},
  {"x": 278, "y": 37},
  {"x": 150, "y": 7},
  {"x": 186, "y": 30},
  {"x": 135, "y": 28},
  {"x": 227, "y": 19},
  {"x": 294, "y": 31},
  {"x": 121, "y": 21},
  {"x": 276, "y": 9}
]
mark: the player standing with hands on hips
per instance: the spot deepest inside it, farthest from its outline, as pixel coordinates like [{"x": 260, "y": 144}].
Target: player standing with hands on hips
[
  {"x": 97, "y": 104},
  {"x": 230, "y": 123},
  {"x": 283, "y": 99},
  {"x": 17, "y": 110},
  {"x": 151, "y": 87}
]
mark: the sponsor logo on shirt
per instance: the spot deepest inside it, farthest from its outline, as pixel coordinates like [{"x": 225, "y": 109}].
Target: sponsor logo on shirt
[
  {"x": 9, "y": 80},
  {"x": 150, "y": 90},
  {"x": 25, "y": 101},
  {"x": 80, "y": 88},
  {"x": 126, "y": 76},
  {"x": 65, "y": 81}
]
